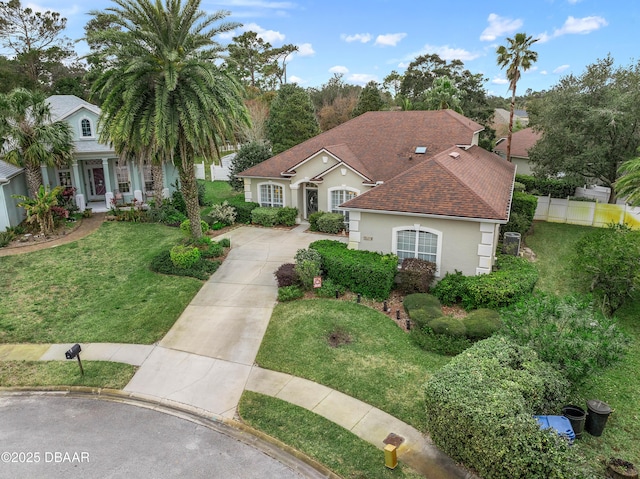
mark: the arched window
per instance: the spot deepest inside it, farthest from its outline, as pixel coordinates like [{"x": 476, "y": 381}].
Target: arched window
[
  {"x": 417, "y": 242},
  {"x": 271, "y": 195},
  {"x": 337, "y": 196},
  {"x": 85, "y": 125}
]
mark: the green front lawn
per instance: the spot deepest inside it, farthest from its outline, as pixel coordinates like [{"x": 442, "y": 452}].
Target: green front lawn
[
  {"x": 218, "y": 191},
  {"x": 97, "y": 289},
  {"x": 65, "y": 373},
  {"x": 376, "y": 362}
]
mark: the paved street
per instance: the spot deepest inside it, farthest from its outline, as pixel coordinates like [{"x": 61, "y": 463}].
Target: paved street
[{"x": 69, "y": 437}]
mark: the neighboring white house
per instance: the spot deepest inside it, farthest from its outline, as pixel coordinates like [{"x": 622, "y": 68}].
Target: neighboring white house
[
  {"x": 414, "y": 183},
  {"x": 97, "y": 173},
  {"x": 12, "y": 182}
]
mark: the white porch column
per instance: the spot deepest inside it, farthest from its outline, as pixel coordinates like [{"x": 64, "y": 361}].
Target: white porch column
[
  {"x": 248, "y": 197},
  {"x": 45, "y": 176},
  {"x": 107, "y": 176},
  {"x": 295, "y": 200},
  {"x": 77, "y": 182}
]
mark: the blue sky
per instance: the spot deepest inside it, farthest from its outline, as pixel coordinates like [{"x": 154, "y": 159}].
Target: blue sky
[{"x": 367, "y": 39}]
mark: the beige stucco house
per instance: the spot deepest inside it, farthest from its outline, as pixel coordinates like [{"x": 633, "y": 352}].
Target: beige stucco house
[
  {"x": 521, "y": 142},
  {"x": 414, "y": 183}
]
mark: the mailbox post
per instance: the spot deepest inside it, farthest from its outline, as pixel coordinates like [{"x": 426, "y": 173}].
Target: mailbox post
[{"x": 74, "y": 352}]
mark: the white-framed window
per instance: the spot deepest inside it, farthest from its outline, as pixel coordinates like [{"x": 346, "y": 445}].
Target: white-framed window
[
  {"x": 64, "y": 178},
  {"x": 122, "y": 176},
  {"x": 85, "y": 128},
  {"x": 417, "y": 242},
  {"x": 271, "y": 195},
  {"x": 339, "y": 195}
]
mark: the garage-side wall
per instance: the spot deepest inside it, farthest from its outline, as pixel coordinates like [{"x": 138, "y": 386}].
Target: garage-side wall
[{"x": 466, "y": 246}]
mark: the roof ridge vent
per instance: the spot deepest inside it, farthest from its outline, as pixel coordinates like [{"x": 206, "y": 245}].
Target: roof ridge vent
[{"x": 455, "y": 155}]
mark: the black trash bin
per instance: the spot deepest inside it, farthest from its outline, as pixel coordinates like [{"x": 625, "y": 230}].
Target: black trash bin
[
  {"x": 597, "y": 417},
  {"x": 577, "y": 417}
]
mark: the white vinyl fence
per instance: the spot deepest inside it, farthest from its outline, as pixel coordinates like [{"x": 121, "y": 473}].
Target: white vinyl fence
[{"x": 587, "y": 213}]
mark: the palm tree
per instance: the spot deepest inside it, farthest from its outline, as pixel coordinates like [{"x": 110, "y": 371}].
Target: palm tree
[
  {"x": 628, "y": 185},
  {"x": 163, "y": 94},
  {"x": 443, "y": 95},
  {"x": 515, "y": 56},
  {"x": 28, "y": 137}
]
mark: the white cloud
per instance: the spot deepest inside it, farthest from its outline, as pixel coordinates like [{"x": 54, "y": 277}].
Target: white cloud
[
  {"x": 447, "y": 53},
  {"x": 390, "y": 39},
  {"x": 357, "y": 37},
  {"x": 499, "y": 81},
  {"x": 270, "y": 36},
  {"x": 560, "y": 69},
  {"x": 339, "y": 69},
  {"x": 499, "y": 26},
  {"x": 544, "y": 72},
  {"x": 576, "y": 26},
  {"x": 64, "y": 12},
  {"x": 361, "y": 78},
  {"x": 295, "y": 79},
  {"x": 305, "y": 50},
  {"x": 573, "y": 2}
]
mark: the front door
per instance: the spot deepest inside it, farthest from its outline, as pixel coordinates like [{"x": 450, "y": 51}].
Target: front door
[
  {"x": 97, "y": 187},
  {"x": 312, "y": 201}
]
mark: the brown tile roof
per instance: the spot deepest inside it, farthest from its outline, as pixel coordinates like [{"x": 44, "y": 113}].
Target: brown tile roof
[
  {"x": 379, "y": 143},
  {"x": 521, "y": 142},
  {"x": 475, "y": 184}
]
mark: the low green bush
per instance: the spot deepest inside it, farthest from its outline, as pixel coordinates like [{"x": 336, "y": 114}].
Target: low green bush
[
  {"x": 6, "y": 237},
  {"x": 515, "y": 279},
  {"x": 443, "y": 344},
  {"x": 289, "y": 293},
  {"x": 329, "y": 288},
  {"x": 365, "y": 272},
  {"x": 313, "y": 220},
  {"x": 482, "y": 323},
  {"x": 243, "y": 209},
  {"x": 412, "y": 302},
  {"x": 225, "y": 242},
  {"x": 184, "y": 256},
  {"x": 557, "y": 188},
  {"x": 330, "y": 223},
  {"x": 567, "y": 332},
  {"x": 265, "y": 216},
  {"x": 214, "y": 250},
  {"x": 422, "y": 317},
  {"x": 203, "y": 269},
  {"x": 480, "y": 407},
  {"x": 185, "y": 227},
  {"x": 287, "y": 216},
  {"x": 448, "y": 325},
  {"x": 308, "y": 266}
]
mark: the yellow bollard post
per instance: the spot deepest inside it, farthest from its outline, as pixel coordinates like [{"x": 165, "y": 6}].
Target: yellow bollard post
[{"x": 390, "y": 456}]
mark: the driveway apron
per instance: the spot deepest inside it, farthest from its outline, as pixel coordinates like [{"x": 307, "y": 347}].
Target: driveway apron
[{"x": 206, "y": 358}]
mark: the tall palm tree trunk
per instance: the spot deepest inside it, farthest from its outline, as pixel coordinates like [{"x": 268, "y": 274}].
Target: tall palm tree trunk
[
  {"x": 33, "y": 175},
  {"x": 510, "y": 134},
  {"x": 158, "y": 183},
  {"x": 189, "y": 190}
]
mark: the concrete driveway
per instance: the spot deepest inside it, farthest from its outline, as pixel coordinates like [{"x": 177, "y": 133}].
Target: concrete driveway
[{"x": 206, "y": 358}]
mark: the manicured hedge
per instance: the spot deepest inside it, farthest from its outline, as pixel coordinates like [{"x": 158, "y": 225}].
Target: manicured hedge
[
  {"x": 331, "y": 223},
  {"x": 365, "y": 272},
  {"x": 557, "y": 188},
  {"x": 243, "y": 209},
  {"x": 287, "y": 216},
  {"x": 265, "y": 216},
  {"x": 514, "y": 279},
  {"x": 480, "y": 409},
  {"x": 523, "y": 209}
]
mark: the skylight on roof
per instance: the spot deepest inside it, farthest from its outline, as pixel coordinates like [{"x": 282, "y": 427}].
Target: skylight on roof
[{"x": 421, "y": 150}]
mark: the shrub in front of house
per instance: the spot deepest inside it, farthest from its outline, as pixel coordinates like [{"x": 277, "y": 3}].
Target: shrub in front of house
[
  {"x": 225, "y": 242},
  {"x": 265, "y": 216},
  {"x": 243, "y": 209},
  {"x": 286, "y": 275},
  {"x": 287, "y": 216},
  {"x": 415, "y": 275},
  {"x": 482, "y": 323},
  {"x": 213, "y": 250},
  {"x": 203, "y": 269},
  {"x": 480, "y": 407},
  {"x": 185, "y": 227},
  {"x": 330, "y": 223},
  {"x": 567, "y": 332},
  {"x": 365, "y": 272},
  {"x": 329, "y": 288},
  {"x": 421, "y": 301},
  {"x": 289, "y": 293},
  {"x": 514, "y": 279},
  {"x": 222, "y": 213},
  {"x": 313, "y": 220},
  {"x": 184, "y": 256},
  {"x": 308, "y": 266}
]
